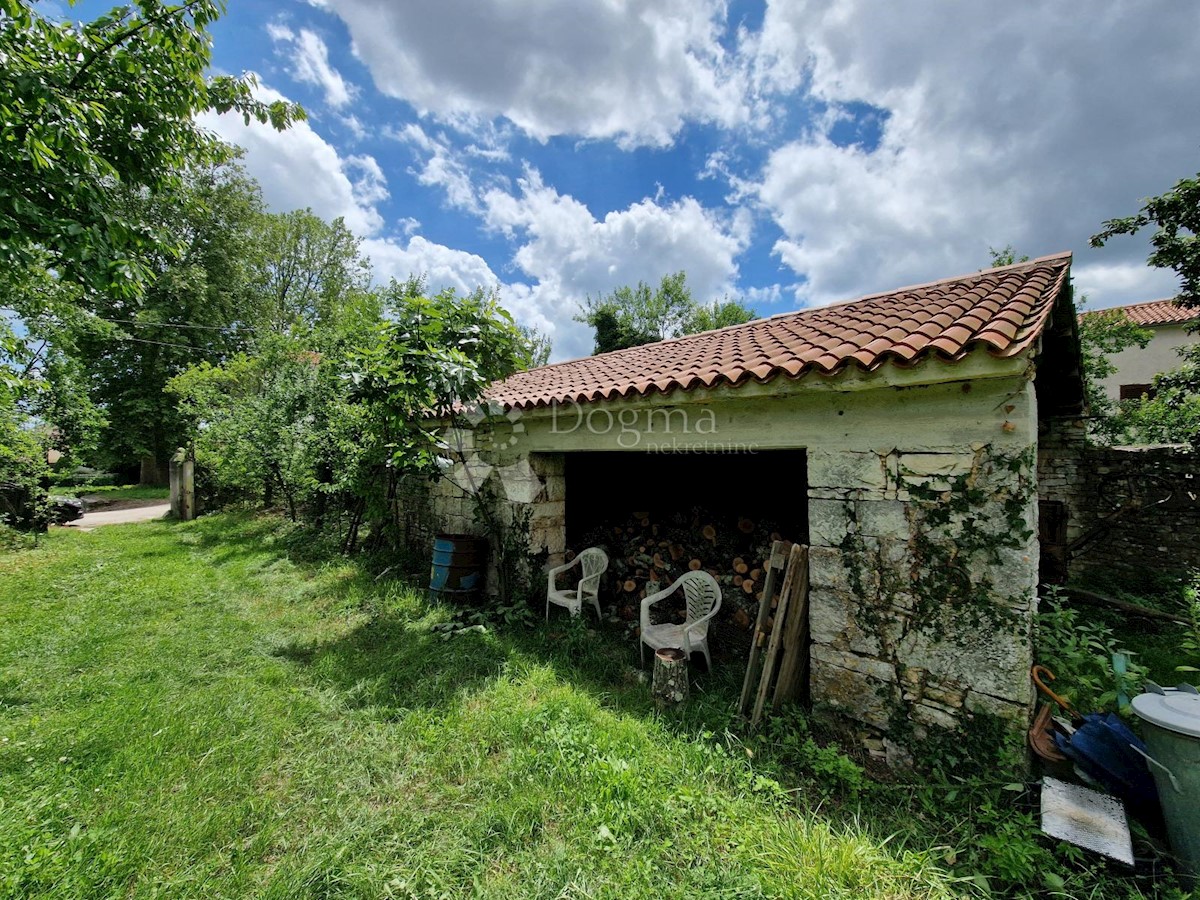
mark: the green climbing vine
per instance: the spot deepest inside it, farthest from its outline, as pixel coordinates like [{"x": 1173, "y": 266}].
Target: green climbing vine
[{"x": 958, "y": 531}]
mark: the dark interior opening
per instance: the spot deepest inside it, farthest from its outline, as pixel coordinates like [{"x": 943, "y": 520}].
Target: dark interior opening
[
  {"x": 657, "y": 515},
  {"x": 764, "y": 486}
]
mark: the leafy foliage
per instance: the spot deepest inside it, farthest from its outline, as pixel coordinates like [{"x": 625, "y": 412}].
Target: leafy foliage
[
  {"x": 1172, "y": 415},
  {"x": 718, "y": 314},
  {"x": 631, "y": 316},
  {"x": 73, "y": 136},
  {"x": 329, "y": 416},
  {"x": 1175, "y": 216},
  {"x": 1080, "y": 651},
  {"x": 1103, "y": 333}
]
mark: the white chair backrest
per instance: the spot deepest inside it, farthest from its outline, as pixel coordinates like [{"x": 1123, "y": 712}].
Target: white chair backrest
[
  {"x": 593, "y": 562},
  {"x": 702, "y": 593}
]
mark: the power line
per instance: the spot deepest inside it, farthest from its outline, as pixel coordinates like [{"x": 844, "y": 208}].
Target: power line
[
  {"x": 163, "y": 344},
  {"x": 142, "y": 324}
]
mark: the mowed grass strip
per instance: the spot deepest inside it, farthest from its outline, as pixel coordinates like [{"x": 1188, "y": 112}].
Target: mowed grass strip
[{"x": 187, "y": 711}]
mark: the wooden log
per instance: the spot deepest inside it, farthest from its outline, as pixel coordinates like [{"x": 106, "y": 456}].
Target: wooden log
[
  {"x": 630, "y": 586},
  {"x": 785, "y": 596},
  {"x": 795, "y": 641},
  {"x": 774, "y": 566},
  {"x": 739, "y": 566},
  {"x": 695, "y": 565},
  {"x": 669, "y": 686},
  {"x": 1124, "y": 606},
  {"x": 748, "y": 585},
  {"x": 710, "y": 534}
]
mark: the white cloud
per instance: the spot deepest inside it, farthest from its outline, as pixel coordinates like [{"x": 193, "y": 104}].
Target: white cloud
[
  {"x": 442, "y": 165},
  {"x": 355, "y": 126},
  {"x": 634, "y": 72},
  {"x": 1098, "y": 285},
  {"x": 309, "y": 58},
  {"x": 442, "y": 267},
  {"x": 297, "y": 168},
  {"x": 569, "y": 254},
  {"x": 1026, "y": 126}
]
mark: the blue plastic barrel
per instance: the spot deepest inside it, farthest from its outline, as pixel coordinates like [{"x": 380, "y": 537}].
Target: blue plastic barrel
[{"x": 459, "y": 568}]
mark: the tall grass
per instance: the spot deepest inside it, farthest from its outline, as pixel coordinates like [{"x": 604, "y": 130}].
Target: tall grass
[{"x": 190, "y": 710}]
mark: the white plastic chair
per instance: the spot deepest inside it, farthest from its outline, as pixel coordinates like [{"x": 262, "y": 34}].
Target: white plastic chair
[
  {"x": 703, "y": 596},
  {"x": 593, "y": 562}
]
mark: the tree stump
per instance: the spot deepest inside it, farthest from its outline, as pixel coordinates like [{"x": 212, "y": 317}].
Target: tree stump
[{"x": 669, "y": 686}]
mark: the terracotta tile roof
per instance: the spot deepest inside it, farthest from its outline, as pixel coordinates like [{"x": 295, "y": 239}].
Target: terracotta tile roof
[
  {"x": 1155, "y": 312},
  {"x": 1001, "y": 309}
]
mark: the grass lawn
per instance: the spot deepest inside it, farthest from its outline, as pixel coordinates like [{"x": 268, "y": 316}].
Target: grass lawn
[{"x": 190, "y": 710}]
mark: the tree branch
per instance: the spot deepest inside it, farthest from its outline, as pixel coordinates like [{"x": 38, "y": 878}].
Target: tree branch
[{"x": 126, "y": 35}]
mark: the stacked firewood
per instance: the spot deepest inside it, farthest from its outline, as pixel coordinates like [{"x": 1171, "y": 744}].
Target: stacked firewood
[{"x": 648, "y": 552}]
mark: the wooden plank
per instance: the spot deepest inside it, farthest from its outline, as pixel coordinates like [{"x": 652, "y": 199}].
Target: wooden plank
[
  {"x": 774, "y": 567},
  {"x": 795, "y": 640},
  {"x": 764, "y": 685}
]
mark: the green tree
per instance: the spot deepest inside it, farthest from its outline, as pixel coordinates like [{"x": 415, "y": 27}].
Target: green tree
[
  {"x": 1006, "y": 256},
  {"x": 538, "y": 347},
  {"x": 305, "y": 268},
  {"x": 91, "y": 112},
  {"x": 200, "y": 303},
  {"x": 1175, "y": 216},
  {"x": 331, "y": 415},
  {"x": 1171, "y": 415},
  {"x": 1103, "y": 333},
  {"x": 632, "y": 316},
  {"x": 718, "y": 314}
]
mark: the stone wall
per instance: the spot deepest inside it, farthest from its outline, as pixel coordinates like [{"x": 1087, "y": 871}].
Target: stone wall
[
  {"x": 922, "y": 589},
  {"x": 1129, "y": 510},
  {"x": 532, "y": 484}
]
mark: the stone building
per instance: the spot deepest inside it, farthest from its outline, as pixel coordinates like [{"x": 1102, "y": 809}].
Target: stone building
[{"x": 897, "y": 432}]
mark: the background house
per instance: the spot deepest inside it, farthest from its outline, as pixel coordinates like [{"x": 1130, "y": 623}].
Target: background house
[{"x": 1137, "y": 366}]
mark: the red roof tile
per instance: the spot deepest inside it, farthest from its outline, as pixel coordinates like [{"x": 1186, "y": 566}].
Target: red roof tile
[
  {"x": 1001, "y": 309},
  {"x": 1155, "y": 312}
]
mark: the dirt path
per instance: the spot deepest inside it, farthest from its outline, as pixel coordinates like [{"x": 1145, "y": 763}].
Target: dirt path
[{"x": 154, "y": 509}]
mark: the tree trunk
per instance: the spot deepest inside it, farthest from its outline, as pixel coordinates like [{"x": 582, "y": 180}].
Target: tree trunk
[
  {"x": 149, "y": 470},
  {"x": 670, "y": 684}
]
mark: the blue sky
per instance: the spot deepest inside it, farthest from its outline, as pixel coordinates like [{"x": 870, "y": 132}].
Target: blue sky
[{"x": 788, "y": 153}]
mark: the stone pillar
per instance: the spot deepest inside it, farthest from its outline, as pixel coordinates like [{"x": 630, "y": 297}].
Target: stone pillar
[
  {"x": 923, "y": 586},
  {"x": 183, "y": 486}
]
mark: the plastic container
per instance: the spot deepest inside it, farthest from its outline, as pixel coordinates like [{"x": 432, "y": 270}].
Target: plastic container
[
  {"x": 1172, "y": 732},
  {"x": 459, "y": 568}
]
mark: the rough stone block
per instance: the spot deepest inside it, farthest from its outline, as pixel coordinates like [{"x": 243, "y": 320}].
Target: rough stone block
[
  {"x": 846, "y": 469},
  {"x": 825, "y": 569},
  {"x": 861, "y": 688},
  {"x": 934, "y": 470},
  {"x": 519, "y": 482},
  {"x": 884, "y": 519},
  {"x": 556, "y": 487},
  {"x": 834, "y": 620},
  {"x": 550, "y": 510},
  {"x": 828, "y": 521},
  {"x": 990, "y": 661}
]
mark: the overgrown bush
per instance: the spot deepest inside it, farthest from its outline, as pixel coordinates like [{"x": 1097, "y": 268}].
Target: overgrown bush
[
  {"x": 1080, "y": 652},
  {"x": 330, "y": 418}
]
